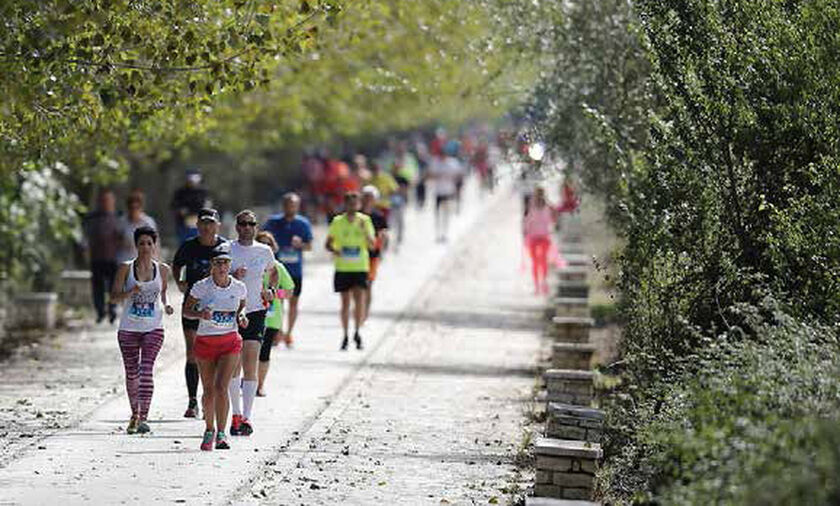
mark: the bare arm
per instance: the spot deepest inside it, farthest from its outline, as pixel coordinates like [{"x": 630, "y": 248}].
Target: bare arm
[
  {"x": 176, "y": 273},
  {"x": 329, "y": 245},
  {"x": 241, "y": 317},
  {"x": 383, "y": 239},
  {"x": 190, "y": 312},
  {"x": 164, "y": 284},
  {"x": 117, "y": 292}
]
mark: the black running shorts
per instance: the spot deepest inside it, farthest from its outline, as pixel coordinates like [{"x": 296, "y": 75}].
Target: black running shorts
[
  {"x": 344, "y": 281},
  {"x": 256, "y": 326}
]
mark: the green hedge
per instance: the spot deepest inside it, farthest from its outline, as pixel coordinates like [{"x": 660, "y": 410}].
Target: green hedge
[{"x": 713, "y": 132}]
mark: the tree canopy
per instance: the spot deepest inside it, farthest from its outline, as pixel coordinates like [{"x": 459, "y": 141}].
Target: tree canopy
[{"x": 99, "y": 86}]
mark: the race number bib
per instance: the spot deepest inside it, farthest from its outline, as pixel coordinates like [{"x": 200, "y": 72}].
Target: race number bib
[
  {"x": 351, "y": 253},
  {"x": 141, "y": 310},
  {"x": 224, "y": 319},
  {"x": 288, "y": 256}
]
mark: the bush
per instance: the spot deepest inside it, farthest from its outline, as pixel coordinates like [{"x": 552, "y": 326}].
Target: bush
[
  {"x": 753, "y": 408},
  {"x": 715, "y": 137}
]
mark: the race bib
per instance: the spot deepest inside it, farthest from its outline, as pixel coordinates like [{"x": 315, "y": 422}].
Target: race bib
[
  {"x": 288, "y": 256},
  {"x": 224, "y": 319},
  {"x": 351, "y": 253},
  {"x": 141, "y": 310}
]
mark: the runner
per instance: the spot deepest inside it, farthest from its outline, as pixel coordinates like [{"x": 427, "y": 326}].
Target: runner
[
  {"x": 380, "y": 227},
  {"x": 350, "y": 238},
  {"x": 141, "y": 281},
  {"x": 192, "y": 263},
  {"x": 537, "y": 228},
  {"x": 387, "y": 186},
  {"x": 274, "y": 316},
  {"x": 445, "y": 171},
  {"x": 251, "y": 261},
  {"x": 293, "y": 234},
  {"x": 219, "y": 301},
  {"x": 187, "y": 201}
]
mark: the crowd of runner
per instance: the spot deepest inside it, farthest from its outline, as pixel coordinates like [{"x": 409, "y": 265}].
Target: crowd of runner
[{"x": 240, "y": 296}]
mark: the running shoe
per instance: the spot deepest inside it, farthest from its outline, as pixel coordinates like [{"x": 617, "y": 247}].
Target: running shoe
[
  {"x": 344, "y": 343},
  {"x": 143, "y": 427},
  {"x": 358, "y": 340},
  {"x": 207, "y": 440},
  {"x": 192, "y": 409},
  {"x": 260, "y": 392},
  {"x": 235, "y": 427},
  {"x": 221, "y": 441},
  {"x": 245, "y": 427},
  {"x": 132, "y": 426}
]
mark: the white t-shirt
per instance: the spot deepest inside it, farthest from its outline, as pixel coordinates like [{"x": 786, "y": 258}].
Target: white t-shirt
[
  {"x": 446, "y": 172},
  {"x": 223, "y": 301},
  {"x": 258, "y": 258}
]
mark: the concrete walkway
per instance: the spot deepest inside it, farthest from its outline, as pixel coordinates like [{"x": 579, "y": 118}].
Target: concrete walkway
[{"x": 430, "y": 412}]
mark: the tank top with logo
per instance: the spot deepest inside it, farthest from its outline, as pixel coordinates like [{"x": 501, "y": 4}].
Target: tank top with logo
[{"x": 143, "y": 311}]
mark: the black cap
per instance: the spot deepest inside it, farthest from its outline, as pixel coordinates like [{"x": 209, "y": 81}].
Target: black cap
[
  {"x": 208, "y": 214},
  {"x": 221, "y": 251}
]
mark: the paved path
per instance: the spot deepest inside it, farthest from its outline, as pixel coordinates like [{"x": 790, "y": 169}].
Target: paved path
[{"x": 429, "y": 412}]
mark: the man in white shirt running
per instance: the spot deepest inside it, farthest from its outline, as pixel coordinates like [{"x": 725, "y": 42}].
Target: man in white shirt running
[
  {"x": 251, "y": 261},
  {"x": 445, "y": 171}
]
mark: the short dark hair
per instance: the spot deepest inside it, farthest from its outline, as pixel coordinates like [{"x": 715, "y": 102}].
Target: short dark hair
[{"x": 145, "y": 230}]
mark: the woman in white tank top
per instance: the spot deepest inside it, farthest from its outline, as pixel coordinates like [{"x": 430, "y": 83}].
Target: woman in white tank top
[{"x": 142, "y": 284}]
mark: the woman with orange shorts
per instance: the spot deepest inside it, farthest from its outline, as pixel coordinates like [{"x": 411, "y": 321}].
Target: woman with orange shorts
[{"x": 219, "y": 302}]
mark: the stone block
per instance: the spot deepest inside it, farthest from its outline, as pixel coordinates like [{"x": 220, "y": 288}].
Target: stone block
[
  {"x": 74, "y": 289},
  {"x": 565, "y": 432},
  {"x": 544, "y": 476},
  {"x": 549, "y": 501},
  {"x": 588, "y": 466},
  {"x": 573, "y": 273},
  {"x": 573, "y": 329},
  {"x": 548, "y": 447},
  {"x": 572, "y": 355},
  {"x": 569, "y": 386},
  {"x": 551, "y": 464},
  {"x": 577, "y": 493},
  {"x": 574, "y": 480},
  {"x": 576, "y": 289},
  {"x": 576, "y": 412},
  {"x": 570, "y": 306},
  {"x": 577, "y": 259},
  {"x": 38, "y": 310},
  {"x": 545, "y": 490}
]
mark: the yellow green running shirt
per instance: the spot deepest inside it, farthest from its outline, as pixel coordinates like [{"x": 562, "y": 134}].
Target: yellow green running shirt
[{"x": 349, "y": 239}]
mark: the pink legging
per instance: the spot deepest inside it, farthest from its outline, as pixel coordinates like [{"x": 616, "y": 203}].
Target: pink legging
[
  {"x": 139, "y": 351},
  {"x": 538, "y": 247}
]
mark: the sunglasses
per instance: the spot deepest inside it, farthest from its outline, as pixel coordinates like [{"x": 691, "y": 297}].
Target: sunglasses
[
  {"x": 247, "y": 223},
  {"x": 220, "y": 261}
]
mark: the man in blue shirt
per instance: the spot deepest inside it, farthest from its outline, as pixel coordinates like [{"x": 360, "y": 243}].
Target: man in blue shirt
[{"x": 293, "y": 234}]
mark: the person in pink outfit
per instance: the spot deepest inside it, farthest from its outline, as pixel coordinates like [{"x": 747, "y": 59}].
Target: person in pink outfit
[{"x": 537, "y": 228}]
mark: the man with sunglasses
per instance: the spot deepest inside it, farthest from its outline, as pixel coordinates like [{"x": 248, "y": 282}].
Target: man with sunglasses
[
  {"x": 251, "y": 261},
  {"x": 192, "y": 264}
]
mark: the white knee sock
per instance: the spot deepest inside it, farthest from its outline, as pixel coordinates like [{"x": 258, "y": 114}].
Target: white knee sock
[
  {"x": 249, "y": 392},
  {"x": 233, "y": 392}
]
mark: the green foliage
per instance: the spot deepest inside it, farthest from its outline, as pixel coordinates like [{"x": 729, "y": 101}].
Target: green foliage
[
  {"x": 77, "y": 74},
  {"x": 39, "y": 216},
  {"x": 105, "y": 87},
  {"x": 722, "y": 176}
]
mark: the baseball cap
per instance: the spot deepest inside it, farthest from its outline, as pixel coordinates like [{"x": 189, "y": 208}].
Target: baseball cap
[
  {"x": 221, "y": 251},
  {"x": 209, "y": 214}
]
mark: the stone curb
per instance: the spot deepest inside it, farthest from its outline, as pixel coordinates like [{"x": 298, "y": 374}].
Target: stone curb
[{"x": 567, "y": 448}]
